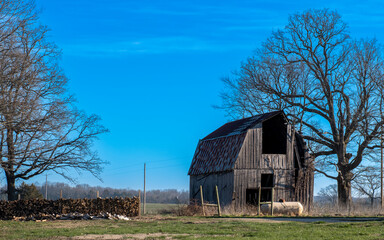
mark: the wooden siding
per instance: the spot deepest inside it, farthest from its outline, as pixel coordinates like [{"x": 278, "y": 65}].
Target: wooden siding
[
  {"x": 250, "y": 179},
  {"x": 251, "y": 163},
  {"x": 290, "y": 144},
  {"x": 250, "y": 153},
  {"x": 274, "y": 161},
  {"x": 251, "y": 157},
  {"x": 224, "y": 182}
]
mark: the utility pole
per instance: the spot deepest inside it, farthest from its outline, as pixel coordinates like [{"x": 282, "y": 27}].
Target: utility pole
[
  {"x": 381, "y": 155},
  {"x": 145, "y": 196},
  {"x": 381, "y": 172},
  {"x": 46, "y": 186}
]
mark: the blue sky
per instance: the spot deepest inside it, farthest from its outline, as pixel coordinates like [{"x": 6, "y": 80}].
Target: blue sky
[{"x": 152, "y": 70}]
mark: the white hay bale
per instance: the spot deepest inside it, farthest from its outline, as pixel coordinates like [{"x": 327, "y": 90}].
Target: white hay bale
[{"x": 286, "y": 208}]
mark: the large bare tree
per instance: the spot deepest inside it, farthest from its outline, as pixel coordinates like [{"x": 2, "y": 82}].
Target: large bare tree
[
  {"x": 40, "y": 128},
  {"x": 329, "y": 85}
]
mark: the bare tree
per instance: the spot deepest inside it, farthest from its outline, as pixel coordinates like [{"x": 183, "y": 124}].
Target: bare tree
[
  {"x": 367, "y": 182},
  {"x": 328, "y": 84},
  {"x": 40, "y": 128},
  {"x": 329, "y": 194}
]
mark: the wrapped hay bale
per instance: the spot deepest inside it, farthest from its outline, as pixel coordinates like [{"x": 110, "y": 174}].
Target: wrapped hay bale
[{"x": 285, "y": 208}]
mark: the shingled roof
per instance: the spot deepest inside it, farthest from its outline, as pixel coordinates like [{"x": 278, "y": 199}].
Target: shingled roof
[{"x": 218, "y": 151}]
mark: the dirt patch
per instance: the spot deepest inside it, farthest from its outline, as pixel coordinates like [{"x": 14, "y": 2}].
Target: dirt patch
[
  {"x": 142, "y": 236},
  {"x": 129, "y": 236},
  {"x": 71, "y": 223},
  {"x": 303, "y": 219}
]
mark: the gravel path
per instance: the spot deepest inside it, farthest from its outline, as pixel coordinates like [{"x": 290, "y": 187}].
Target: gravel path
[{"x": 320, "y": 219}]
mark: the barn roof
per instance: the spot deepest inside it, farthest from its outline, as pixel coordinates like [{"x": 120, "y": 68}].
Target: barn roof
[
  {"x": 240, "y": 126},
  {"x": 218, "y": 151}
]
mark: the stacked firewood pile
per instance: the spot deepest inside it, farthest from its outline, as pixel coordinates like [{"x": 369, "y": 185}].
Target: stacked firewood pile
[{"x": 40, "y": 208}]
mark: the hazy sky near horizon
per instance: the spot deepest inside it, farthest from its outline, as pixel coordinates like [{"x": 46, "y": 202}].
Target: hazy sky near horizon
[{"x": 152, "y": 70}]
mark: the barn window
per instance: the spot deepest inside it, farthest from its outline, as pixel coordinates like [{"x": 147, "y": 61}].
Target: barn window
[
  {"x": 252, "y": 196},
  {"x": 267, "y": 180},
  {"x": 274, "y": 136},
  {"x": 266, "y": 187}
]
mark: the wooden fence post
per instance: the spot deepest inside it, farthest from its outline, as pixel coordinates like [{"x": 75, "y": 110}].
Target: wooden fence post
[
  {"x": 61, "y": 194},
  {"x": 218, "y": 202},
  {"x": 97, "y": 194},
  {"x": 272, "y": 201},
  {"x": 139, "y": 203},
  {"x": 259, "y": 200},
  {"x": 202, "y": 199}
]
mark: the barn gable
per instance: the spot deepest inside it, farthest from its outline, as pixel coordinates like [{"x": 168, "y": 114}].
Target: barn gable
[{"x": 218, "y": 151}]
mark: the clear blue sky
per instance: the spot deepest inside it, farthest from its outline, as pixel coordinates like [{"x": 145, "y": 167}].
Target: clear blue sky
[{"x": 152, "y": 69}]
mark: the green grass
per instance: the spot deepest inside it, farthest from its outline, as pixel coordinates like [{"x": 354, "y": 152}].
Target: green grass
[
  {"x": 159, "y": 208},
  {"x": 194, "y": 227}
]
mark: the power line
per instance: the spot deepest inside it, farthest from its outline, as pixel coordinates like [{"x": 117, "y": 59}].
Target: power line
[
  {"x": 151, "y": 161},
  {"x": 137, "y": 169}
]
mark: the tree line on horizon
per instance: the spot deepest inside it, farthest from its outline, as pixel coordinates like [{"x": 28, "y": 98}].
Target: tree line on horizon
[{"x": 86, "y": 191}]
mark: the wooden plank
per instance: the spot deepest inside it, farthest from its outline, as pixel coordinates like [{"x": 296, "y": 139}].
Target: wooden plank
[
  {"x": 210, "y": 204},
  {"x": 202, "y": 199},
  {"x": 257, "y": 150},
  {"x": 289, "y": 147},
  {"x": 254, "y": 149},
  {"x": 235, "y": 188},
  {"x": 218, "y": 202},
  {"x": 250, "y": 150},
  {"x": 246, "y": 153},
  {"x": 243, "y": 155},
  {"x": 251, "y": 146},
  {"x": 259, "y": 146},
  {"x": 247, "y": 156}
]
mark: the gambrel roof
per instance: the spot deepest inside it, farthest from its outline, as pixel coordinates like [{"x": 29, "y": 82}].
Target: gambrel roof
[{"x": 218, "y": 151}]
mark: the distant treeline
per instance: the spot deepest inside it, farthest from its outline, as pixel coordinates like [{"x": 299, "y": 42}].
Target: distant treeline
[{"x": 86, "y": 191}]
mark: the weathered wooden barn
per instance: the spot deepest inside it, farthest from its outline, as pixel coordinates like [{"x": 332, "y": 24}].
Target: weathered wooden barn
[{"x": 241, "y": 156}]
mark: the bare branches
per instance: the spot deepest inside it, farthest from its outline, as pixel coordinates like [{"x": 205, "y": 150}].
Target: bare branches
[
  {"x": 328, "y": 83},
  {"x": 367, "y": 182},
  {"x": 40, "y": 128}
]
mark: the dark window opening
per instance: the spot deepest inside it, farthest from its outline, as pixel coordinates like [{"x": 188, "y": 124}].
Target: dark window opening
[
  {"x": 275, "y": 136},
  {"x": 266, "y": 195},
  {"x": 252, "y": 196},
  {"x": 266, "y": 182}
]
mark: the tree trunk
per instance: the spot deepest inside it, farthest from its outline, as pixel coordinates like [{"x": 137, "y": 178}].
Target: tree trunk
[
  {"x": 9, "y": 173},
  {"x": 344, "y": 189},
  {"x": 11, "y": 187}
]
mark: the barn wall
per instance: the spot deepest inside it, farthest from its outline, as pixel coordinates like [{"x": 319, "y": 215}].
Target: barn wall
[
  {"x": 224, "y": 182},
  {"x": 251, "y": 157},
  {"x": 251, "y": 163},
  {"x": 250, "y": 179},
  {"x": 250, "y": 153}
]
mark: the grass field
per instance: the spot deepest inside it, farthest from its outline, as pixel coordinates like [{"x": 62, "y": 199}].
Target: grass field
[
  {"x": 160, "y": 227},
  {"x": 160, "y": 208}
]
